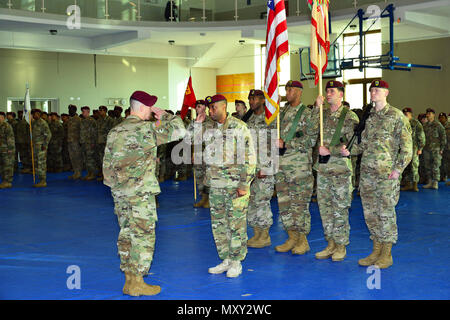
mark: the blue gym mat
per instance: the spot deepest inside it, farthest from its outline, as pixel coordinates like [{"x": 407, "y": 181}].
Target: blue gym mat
[{"x": 43, "y": 232}]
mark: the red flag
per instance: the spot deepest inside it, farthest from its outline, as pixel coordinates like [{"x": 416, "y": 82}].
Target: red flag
[
  {"x": 189, "y": 99},
  {"x": 319, "y": 37}
]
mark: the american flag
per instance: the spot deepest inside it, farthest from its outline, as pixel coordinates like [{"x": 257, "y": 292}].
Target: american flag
[{"x": 276, "y": 46}]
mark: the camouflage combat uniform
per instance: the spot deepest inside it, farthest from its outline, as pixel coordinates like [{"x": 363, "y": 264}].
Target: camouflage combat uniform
[
  {"x": 88, "y": 141},
  {"x": 13, "y": 123},
  {"x": 334, "y": 178},
  {"x": 386, "y": 145},
  {"x": 228, "y": 211},
  {"x": 23, "y": 143},
  {"x": 294, "y": 180},
  {"x": 411, "y": 172},
  {"x": 261, "y": 190},
  {"x": 73, "y": 140},
  {"x": 445, "y": 173},
  {"x": 104, "y": 125},
  {"x": 54, "y": 155},
  {"x": 129, "y": 169},
  {"x": 436, "y": 142},
  {"x": 7, "y": 152},
  {"x": 41, "y": 138}
]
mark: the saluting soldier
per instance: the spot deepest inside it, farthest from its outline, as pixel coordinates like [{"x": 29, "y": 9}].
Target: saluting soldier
[
  {"x": 129, "y": 169},
  {"x": 386, "y": 147}
]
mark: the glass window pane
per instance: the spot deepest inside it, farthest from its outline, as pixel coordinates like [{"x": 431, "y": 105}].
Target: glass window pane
[{"x": 354, "y": 95}]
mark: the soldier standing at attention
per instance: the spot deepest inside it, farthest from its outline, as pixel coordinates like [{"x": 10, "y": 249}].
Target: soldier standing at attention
[
  {"x": 435, "y": 144},
  {"x": 41, "y": 137},
  {"x": 88, "y": 141},
  {"x": 73, "y": 140},
  {"x": 334, "y": 178},
  {"x": 118, "y": 115},
  {"x": 23, "y": 143},
  {"x": 411, "y": 172},
  {"x": 230, "y": 168},
  {"x": 446, "y": 154},
  {"x": 129, "y": 169},
  {"x": 11, "y": 116},
  {"x": 7, "y": 152},
  {"x": 261, "y": 190},
  {"x": 104, "y": 124},
  {"x": 386, "y": 147},
  {"x": 54, "y": 155},
  {"x": 65, "y": 148},
  {"x": 299, "y": 129}
]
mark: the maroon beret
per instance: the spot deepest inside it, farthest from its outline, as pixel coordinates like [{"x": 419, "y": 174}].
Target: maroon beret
[
  {"x": 255, "y": 93},
  {"x": 144, "y": 98},
  {"x": 217, "y": 98},
  {"x": 294, "y": 84},
  {"x": 85, "y": 108},
  {"x": 442, "y": 114},
  {"x": 200, "y": 102},
  {"x": 430, "y": 110},
  {"x": 208, "y": 100},
  {"x": 334, "y": 84},
  {"x": 407, "y": 110},
  {"x": 379, "y": 84}
]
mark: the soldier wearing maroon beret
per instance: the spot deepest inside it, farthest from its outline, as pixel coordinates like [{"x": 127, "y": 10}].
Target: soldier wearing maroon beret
[{"x": 129, "y": 168}]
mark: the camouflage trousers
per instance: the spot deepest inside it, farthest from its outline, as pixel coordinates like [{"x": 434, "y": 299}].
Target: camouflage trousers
[
  {"x": 25, "y": 154},
  {"x": 76, "y": 157},
  {"x": 294, "y": 190},
  {"x": 432, "y": 160},
  {"x": 40, "y": 161},
  {"x": 422, "y": 172},
  {"x": 411, "y": 172},
  {"x": 259, "y": 210},
  {"x": 200, "y": 173},
  {"x": 379, "y": 196},
  {"x": 54, "y": 157},
  {"x": 89, "y": 156},
  {"x": 445, "y": 165},
  {"x": 65, "y": 155},
  {"x": 229, "y": 223},
  {"x": 100, "y": 153},
  {"x": 7, "y": 165},
  {"x": 334, "y": 196},
  {"x": 136, "y": 241}
]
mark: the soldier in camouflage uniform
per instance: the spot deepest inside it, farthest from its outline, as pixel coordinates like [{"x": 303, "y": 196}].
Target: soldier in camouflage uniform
[
  {"x": 88, "y": 141},
  {"x": 41, "y": 138},
  {"x": 229, "y": 182},
  {"x": 334, "y": 178},
  {"x": 104, "y": 124},
  {"x": 261, "y": 190},
  {"x": 67, "y": 166},
  {"x": 446, "y": 154},
  {"x": 436, "y": 142},
  {"x": 422, "y": 167},
  {"x": 73, "y": 141},
  {"x": 11, "y": 116},
  {"x": 194, "y": 129},
  {"x": 118, "y": 115},
  {"x": 411, "y": 173},
  {"x": 7, "y": 152},
  {"x": 241, "y": 109},
  {"x": 129, "y": 169},
  {"x": 299, "y": 128},
  {"x": 23, "y": 143},
  {"x": 386, "y": 147},
  {"x": 54, "y": 156}
]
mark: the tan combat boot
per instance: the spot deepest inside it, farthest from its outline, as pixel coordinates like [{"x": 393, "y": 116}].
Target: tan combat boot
[
  {"x": 428, "y": 185},
  {"x": 447, "y": 183},
  {"x": 370, "y": 260},
  {"x": 263, "y": 239},
  {"x": 5, "y": 185},
  {"x": 90, "y": 176},
  {"x": 290, "y": 242},
  {"x": 340, "y": 253},
  {"x": 41, "y": 184},
  {"x": 76, "y": 175},
  {"x": 100, "y": 178},
  {"x": 201, "y": 202},
  {"x": 385, "y": 259},
  {"x": 434, "y": 185},
  {"x": 252, "y": 240},
  {"x": 206, "y": 203},
  {"x": 138, "y": 287},
  {"x": 415, "y": 188},
  {"x": 328, "y": 251},
  {"x": 126, "y": 287},
  {"x": 302, "y": 245}
]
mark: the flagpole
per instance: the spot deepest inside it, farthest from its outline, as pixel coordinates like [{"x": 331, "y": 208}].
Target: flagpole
[
  {"x": 31, "y": 135},
  {"x": 320, "y": 93}
]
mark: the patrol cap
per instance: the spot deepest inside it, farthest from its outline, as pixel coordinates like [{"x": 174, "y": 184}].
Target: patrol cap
[
  {"x": 405, "y": 110},
  {"x": 430, "y": 110},
  {"x": 144, "y": 98},
  {"x": 442, "y": 114},
  {"x": 294, "y": 84},
  {"x": 255, "y": 93},
  {"x": 239, "y": 101},
  {"x": 85, "y": 108},
  {"x": 334, "y": 84},
  {"x": 200, "y": 102},
  {"x": 379, "y": 84},
  {"x": 217, "y": 98}
]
